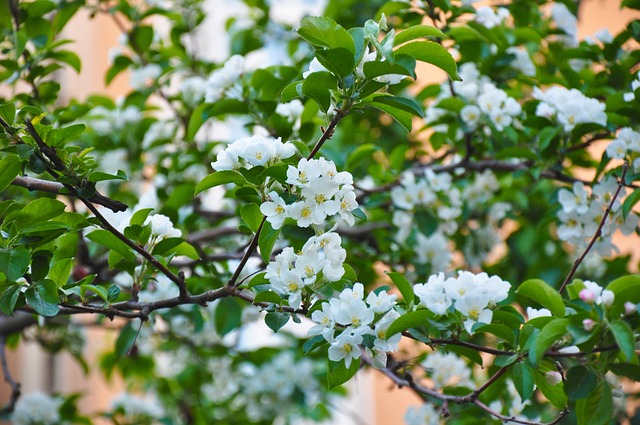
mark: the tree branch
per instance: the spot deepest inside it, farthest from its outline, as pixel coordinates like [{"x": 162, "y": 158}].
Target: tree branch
[
  {"x": 576, "y": 264},
  {"x": 32, "y": 184},
  {"x": 15, "y": 386}
]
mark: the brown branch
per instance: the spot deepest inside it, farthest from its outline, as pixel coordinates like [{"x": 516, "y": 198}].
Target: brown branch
[
  {"x": 15, "y": 386},
  {"x": 33, "y": 184},
  {"x": 471, "y": 398},
  {"x": 576, "y": 264}
]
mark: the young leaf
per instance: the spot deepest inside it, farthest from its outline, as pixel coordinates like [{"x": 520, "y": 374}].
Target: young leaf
[
  {"x": 251, "y": 215},
  {"x": 14, "y": 262},
  {"x": 597, "y": 408},
  {"x": 325, "y": 32},
  {"x": 523, "y": 379},
  {"x": 625, "y": 340},
  {"x": 266, "y": 241},
  {"x": 403, "y": 286},
  {"x": 412, "y": 319},
  {"x": 219, "y": 178},
  {"x": 580, "y": 381},
  {"x": 551, "y": 333},
  {"x": 415, "y": 32},
  {"x": 318, "y": 86},
  {"x": 539, "y": 291},
  {"x": 10, "y": 167},
  {"x": 276, "y": 320},
  {"x": 338, "y": 373},
  {"x": 433, "y": 53}
]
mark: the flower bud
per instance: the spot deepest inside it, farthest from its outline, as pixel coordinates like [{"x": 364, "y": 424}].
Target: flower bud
[
  {"x": 607, "y": 297},
  {"x": 629, "y": 308},
  {"x": 588, "y": 324},
  {"x": 553, "y": 378},
  {"x": 587, "y": 296}
]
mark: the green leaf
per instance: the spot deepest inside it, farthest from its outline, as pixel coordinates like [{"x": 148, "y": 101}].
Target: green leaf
[
  {"x": 14, "y": 262},
  {"x": 338, "y": 373},
  {"x": 113, "y": 293},
  {"x": 523, "y": 379},
  {"x": 68, "y": 57},
  {"x": 9, "y": 299},
  {"x": 554, "y": 393},
  {"x": 251, "y": 215},
  {"x": 625, "y": 340},
  {"x": 318, "y": 86},
  {"x": 141, "y": 38},
  {"x": 403, "y": 286},
  {"x": 403, "y": 65},
  {"x": 325, "y": 32},
  {"x": 100, "y": 291},
  {"x": 267, "y": 297},
  {"x": 433, "y": 53},
  {"x": 312, "y": 344},
  {"x": 359, "y": 214},
  {"x": 630, "y": 371},
  {"x": 631, "y": 4},
  {"x": 125, "y": 340},
  {"x": 35, "y": 297},
  {"x": 228, "y": 316},
  {"x": 38, "y": 211},
  {"x": 412, "y": 319},
  {"x": 502, "y": 361},
  {"x": 8, "y": 112},
  {"x": 292, "y": 91},
  {"x": 276, "y": 320},
  {"x": 629, "y": 202},
  {"x": 10, "y": 167},
  {"x": 415, "y": 32},
  {"x": 580, "y": 381},
  {"x": 401, "y": 116},
  {"x": 539, "y": 291},
  {"x": 108, "y": 240},
  {"x": 597, "y": 408},
  {"x": 207, "y": 110},
  {"x": 550, "y": 334},
  {"x": 339, "y": 61},
  {"x": 398, "y": 102},
  {"x": 219, "y": 178},
  {"x": 501, "y": 331},
  {"x": 60, "y": 271},
  {"x": 266, "y": 241},
  {"x": 98, "y": 176},
  {"x": 139, "y": 217},
  {"x": 626, "y": 289}
]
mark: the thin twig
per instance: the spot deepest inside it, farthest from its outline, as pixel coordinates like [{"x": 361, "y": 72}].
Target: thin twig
[
  {"x": 576, "y": 264},
  {"x": 326, "y": 135}
]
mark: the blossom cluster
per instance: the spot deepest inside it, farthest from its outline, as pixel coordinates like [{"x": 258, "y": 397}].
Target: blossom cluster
[
  {"x": 264, "y": 391},
  {"x": 290, "y": 273},
  {"x": 355, "y": 317},
  {"x": 472, "y": 295},
  {"x": 249, "y": 152},
  {"x": 626, "y": 145},
  {"x": 437, "y": 193},
  {"x": 569, "y": 107},
  {"x": 447, "y": 369},
  {"x": 483, "y": 98},
  {"x": 36, "y": 409},
  {"x": 135, "y": 409},
  {"x": 320, "y": 192},
  {"x": 582, "y": 213}
]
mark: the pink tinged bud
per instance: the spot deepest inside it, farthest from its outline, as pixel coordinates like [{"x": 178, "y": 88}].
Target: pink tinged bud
[
  {"x": 629, "y": 308},
  {"x": 607, "y": 297},
  {"x": 587, "y": 296},
  {"x": 588, "y": 324},
  {"x": 553, "y": 378}
]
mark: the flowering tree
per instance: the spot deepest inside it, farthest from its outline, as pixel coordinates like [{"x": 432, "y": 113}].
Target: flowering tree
[{"x": 457, "y": 238}]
